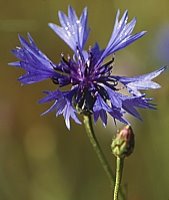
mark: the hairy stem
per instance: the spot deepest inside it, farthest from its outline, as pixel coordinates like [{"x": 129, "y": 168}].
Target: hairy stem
[
  {"x": 91, "y": 135},
  {"x": 97, "y": 148},
  {"x": 119, "y": 171}
]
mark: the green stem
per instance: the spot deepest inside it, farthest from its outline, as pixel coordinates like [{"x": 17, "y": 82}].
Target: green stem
[
  {"x": 119, "y": 171},
  {"x": 97, "y": 148}
]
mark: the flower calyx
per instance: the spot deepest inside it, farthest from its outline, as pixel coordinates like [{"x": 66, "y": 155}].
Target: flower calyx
[{"x": 123, "y": 144}]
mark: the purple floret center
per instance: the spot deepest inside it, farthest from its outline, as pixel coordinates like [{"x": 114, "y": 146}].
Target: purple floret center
[{"x": 90, "y": 80}]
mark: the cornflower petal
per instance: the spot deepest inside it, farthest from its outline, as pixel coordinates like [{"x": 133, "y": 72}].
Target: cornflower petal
[
  {"x": 118, "y": 114},
  {"x": 73, "y": 31},
  {"x": 142, "y": 82},
  {"x": 115, "y": 98},
  {"x": 100, "y": 109},
  {"x": 129, "y": 104},
  {"x": 62, "y": 105},
  {"x": 36, "y": 64},
  {"x": 121, "y": 35}
]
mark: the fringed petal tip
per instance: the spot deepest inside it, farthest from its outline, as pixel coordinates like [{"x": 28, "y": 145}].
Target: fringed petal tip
[
  {"x": 73, "y": 31},
  {"x": 14, "y": 64},
  {"x": 121, "y": 35},
  {"x": 62, "y": 105}
]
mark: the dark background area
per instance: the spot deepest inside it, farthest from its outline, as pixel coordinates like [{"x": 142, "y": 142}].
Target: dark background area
[{"x": 39, "y": 158}]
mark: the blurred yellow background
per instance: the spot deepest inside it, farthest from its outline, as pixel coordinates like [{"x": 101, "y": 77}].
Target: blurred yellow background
[{"x": 39, "y": 158}]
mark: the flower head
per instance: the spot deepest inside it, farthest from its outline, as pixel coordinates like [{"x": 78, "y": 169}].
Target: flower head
[{"x": 93, "y": 87}]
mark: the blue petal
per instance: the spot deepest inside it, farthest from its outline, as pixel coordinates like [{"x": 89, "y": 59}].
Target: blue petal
[
  {"x": 36, "y": 64},
  {"x": 73, "y": 31},
  {"x": 68, "y": 112},
  {"x": 121, "y": 36},
  {"x": 100, "y": 108},
  {"x": 143, "y": 82},
  {"x": 115, "y": 98},
  {"x": 118, "y": 114},
  {"x": 62, "y": 105},
  {"x": 129, "y": 104},
  {"x": 95, "y": 54},
  {"x": 51, "y": 95}
]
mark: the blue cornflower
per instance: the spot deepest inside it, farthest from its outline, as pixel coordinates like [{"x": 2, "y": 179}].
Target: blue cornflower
[{"x": 93, "y": 88}]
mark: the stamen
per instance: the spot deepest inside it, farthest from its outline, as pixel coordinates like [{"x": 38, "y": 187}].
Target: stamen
[
  {"x": 109, "y": 62},
  {"x": 64, "y": 60},
  {"x": 54, "y": 81},
  {"x": 80, "y": 55}
]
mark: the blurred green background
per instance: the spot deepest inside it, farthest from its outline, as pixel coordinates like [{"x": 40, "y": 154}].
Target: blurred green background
[{"x": 39, "y": 158}]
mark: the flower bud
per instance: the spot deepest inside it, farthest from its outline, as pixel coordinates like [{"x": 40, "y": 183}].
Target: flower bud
[{"x": 123, "y": 144}]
